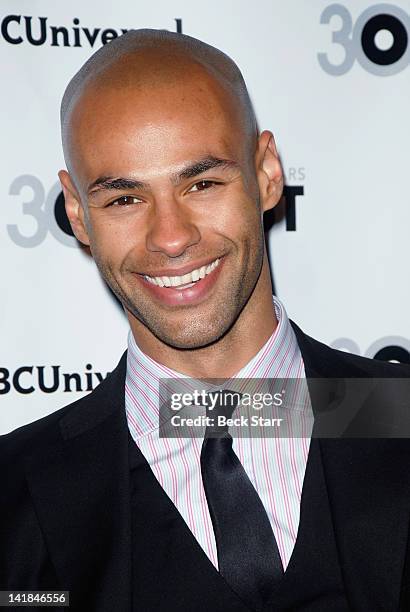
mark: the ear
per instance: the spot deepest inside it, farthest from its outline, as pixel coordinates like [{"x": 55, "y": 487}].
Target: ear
[
  {"x": 74, "y": 207},
  {"x": 269, "y": 171}
]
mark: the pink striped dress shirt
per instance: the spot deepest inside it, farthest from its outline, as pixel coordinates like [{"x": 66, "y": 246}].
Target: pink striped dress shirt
[{"x": 275, "y": 465}]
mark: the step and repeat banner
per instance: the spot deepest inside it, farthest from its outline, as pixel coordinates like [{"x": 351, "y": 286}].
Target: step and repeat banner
[{"x": 331, "y": 80}]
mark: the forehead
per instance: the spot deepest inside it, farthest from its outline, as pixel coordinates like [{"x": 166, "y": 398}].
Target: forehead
[{"x": 132, "y": 121}]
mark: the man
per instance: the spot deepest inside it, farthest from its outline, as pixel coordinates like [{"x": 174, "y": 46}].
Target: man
[{"x": 167, "y": 181}]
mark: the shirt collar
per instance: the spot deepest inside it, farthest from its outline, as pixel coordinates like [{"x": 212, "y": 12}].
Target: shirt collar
[{"x": 279, "y": 357}]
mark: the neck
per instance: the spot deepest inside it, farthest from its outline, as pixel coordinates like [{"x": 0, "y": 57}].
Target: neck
[{"x": 224, "y": 358}]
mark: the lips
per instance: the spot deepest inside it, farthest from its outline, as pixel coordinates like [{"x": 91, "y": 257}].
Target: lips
[{"x": 186, "y": 291}]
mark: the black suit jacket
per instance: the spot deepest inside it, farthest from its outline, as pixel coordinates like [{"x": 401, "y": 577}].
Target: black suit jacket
[{"x": 65, "y": 513}]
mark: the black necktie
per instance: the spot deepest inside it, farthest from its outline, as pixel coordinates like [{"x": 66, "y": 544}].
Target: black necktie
[{"x": 248, "y": 556}]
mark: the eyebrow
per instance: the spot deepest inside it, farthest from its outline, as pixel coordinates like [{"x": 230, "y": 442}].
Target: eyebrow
[{"x": 190, "y": 171}]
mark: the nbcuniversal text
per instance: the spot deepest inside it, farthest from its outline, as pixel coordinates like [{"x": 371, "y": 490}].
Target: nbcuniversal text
[{"x": 29, "y": 379}]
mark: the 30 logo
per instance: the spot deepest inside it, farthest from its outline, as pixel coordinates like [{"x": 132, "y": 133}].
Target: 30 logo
[
  {"x": 379, "y": 40},
  {"x": 47, "y": 210}
]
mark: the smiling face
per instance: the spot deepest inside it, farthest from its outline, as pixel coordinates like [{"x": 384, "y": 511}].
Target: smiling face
[{"x": 168, "y": 189}]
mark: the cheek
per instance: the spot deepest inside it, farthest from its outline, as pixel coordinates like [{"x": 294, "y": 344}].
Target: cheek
[
  {"x": 112, "y": 241},
  {"x": 246, "y": 225},
  {"x": 237, "y": 218}
]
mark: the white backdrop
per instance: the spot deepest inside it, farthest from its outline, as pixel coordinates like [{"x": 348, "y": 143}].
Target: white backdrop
[{"x": 331, "y": 81}]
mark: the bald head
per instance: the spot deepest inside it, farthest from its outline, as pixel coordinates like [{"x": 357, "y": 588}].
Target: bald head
[{"x": 149, "y": 58}]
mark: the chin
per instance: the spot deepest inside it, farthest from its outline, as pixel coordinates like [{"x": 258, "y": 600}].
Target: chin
[
  {"x": 190, "y": 339},
  {"x": 189, "y": 342}
]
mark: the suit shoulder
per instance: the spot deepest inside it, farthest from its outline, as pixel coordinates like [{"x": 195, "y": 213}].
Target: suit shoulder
[
  {"x": 335, "y": 363},
  {"x": 371, "y": 367},
  {"x": 29, "y": 436}
]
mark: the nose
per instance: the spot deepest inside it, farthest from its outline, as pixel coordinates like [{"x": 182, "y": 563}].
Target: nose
[{"x": 171, "y": 229}]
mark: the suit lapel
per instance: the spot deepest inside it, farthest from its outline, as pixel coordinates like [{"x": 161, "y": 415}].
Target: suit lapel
[
  {"x": 80, "y": 488},
  {"x": 369, "y": 494}
]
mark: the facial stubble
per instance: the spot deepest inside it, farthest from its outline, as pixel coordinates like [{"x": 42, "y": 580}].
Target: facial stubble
[{"x": 195, "y": 326}]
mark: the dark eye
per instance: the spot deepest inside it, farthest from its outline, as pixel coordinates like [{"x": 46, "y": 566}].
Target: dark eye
[
  {"x": 202, "y": 185},
  {"x": 125, "y": 201}
]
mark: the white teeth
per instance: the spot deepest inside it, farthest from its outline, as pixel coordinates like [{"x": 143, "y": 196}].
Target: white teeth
[
  {"x": 186, "y": 279},
  {"x": 211, "y": 267}
]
